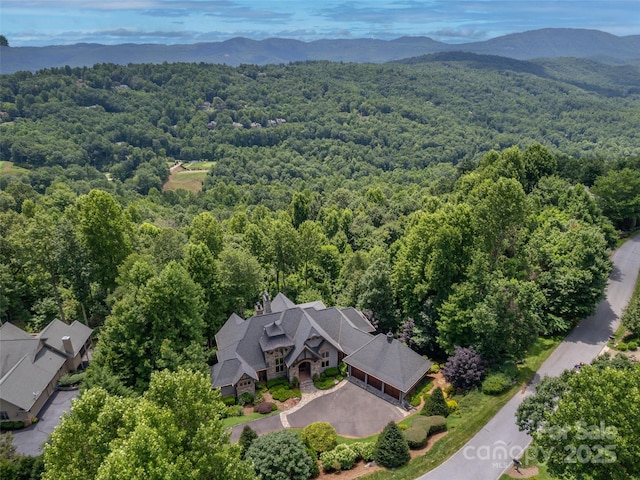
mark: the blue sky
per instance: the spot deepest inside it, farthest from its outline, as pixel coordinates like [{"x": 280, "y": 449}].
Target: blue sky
[{"x": 58, "y": 22}]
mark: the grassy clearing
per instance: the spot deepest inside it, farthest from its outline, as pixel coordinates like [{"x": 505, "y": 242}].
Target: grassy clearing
[
  {"x": 476, "y": 409},
  {"x": 191, "y": 181},
  {"x": 199, "y": 165},
  {"x": 7, "y": 168}
]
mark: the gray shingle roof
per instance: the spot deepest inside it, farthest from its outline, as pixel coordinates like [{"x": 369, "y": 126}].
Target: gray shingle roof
[
  {"x": 390, "y": 361},
  {"x": 241, "y": 343},
  {"x": 52, "y": 335},
  {"x": 29, "y": 363}
]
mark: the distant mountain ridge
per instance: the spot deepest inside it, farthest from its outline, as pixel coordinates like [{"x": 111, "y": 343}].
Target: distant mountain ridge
[{"x": 545, "y": 43}]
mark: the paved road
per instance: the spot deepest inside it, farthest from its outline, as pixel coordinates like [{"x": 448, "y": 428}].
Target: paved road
[{"x": 488, "y": 454}]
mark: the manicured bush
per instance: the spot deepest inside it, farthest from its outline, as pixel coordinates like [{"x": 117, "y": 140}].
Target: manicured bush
[
  {"x": 283, "y": 394},
  {"x": 11, "y": 425},
  {"x": 265, "y": 407},
  {"x": 246, "y": 398},
  {"x": 416, "y": 437},
  {"x": 247, "y": 437},
  {"x": 332, "y": 372},
  {"x": 465, "y": 369},
  {"x": 320, "y": 436},
  {"x": 258, "y": 398},
  {"x": 324, "y": 383},
  {"x": 435, "y": 404},
  {"x": 315, "y": 468},
  {"x": 391, "y": 449},
  {"x": 275, "y": 382},
  {"x": 436, "y": 424},
  {"x": 279, "y": 455},
  {"x": 364, "y": 450},
  {"x": 434, "y": 368},
  {"x": 340, "y": 458},
  {"x": 495, "y": 383}
]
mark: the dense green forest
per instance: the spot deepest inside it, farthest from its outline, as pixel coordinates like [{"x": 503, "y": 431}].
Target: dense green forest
[{"x": 456, "y": 199}]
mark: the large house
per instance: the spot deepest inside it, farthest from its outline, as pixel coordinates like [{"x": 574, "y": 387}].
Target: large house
[
  {"x": 298, "y": 341},
  {"x": 30, "y": 365}
]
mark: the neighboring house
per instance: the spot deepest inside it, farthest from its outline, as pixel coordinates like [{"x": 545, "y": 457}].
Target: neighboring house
[
  {"x": 299, "y": 341},
  {"x": 30, "y": 365}
]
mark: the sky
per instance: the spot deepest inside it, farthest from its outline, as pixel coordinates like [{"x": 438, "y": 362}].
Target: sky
[{"x": 62, "y": 22}]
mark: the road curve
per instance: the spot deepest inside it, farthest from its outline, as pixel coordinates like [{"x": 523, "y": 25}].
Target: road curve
[{"x": 490, "y": 452}]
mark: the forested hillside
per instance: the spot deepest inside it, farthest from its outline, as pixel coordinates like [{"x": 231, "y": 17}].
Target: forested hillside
[{"x": 457, "y": 200}]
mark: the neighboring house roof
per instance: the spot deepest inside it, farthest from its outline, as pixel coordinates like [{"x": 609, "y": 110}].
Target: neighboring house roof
[
  {"x": 390, "y": 361},
  {"x": 28, "y": 363},
  {"x": 289, "y": 325},
  {"x": 77, "y": 332}
]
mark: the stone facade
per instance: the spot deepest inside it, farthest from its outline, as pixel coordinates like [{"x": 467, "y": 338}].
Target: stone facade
[
  {"x": 245, "y": 385},
  {"x": 276, "y": 364}
]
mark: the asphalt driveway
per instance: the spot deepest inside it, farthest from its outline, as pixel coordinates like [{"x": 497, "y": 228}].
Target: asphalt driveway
[
  {"x": 30, "y": 440},
  {"x": 352, "y": 411}
]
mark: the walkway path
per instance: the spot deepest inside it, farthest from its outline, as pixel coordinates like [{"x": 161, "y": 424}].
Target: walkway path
[{"x": 488, "y": 454}]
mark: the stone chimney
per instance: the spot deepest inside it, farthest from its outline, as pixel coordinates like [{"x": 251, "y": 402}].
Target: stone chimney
[
  {"x": 266, "y": 302},
  {"x": 66, "y": 343},
  {"x": 258, "y": 310}
]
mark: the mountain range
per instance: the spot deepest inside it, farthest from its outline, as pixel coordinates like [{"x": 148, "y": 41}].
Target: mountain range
[{"x": 546, "y": 43}]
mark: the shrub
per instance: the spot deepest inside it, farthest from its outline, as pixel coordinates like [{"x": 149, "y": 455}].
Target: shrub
[
  {"x": 275, "y": 382},
  {"x": 364, "y": 450},
  {"x": 434, "y": 368},
  {"x": 228, "y": 401},
  {"x": 435, "y": 404},
  {"x": 234, "y": 411},
  {"x": 69, "y": 379},
  {"x": 448, "y": 391},
  {"x": 247, "y": 437},
  {"x": 465, "y": 369},
  {"x": 265, "y": 407},
  {"x": 320, "y": 436},
  {"x": 332, "y": 372},
  {"x": 279, "y": 455},
  {"x": 416, "y": 437},
  {"x": 391, "y": 449},
  {"x": 315, "y": 469},
  {"x": 453, "y": 406},
  {"x": 246, "y": 398},
  {"x": 496, "y": 383},
  {"x": 340, "y": 458},
  {"x": 11, "y": 425},
  {"x": 324, "y": 383},
  {"x": 283, "y": 394},
  {"x": 436, "y": 424},
  {"x": 258, "y": 398}
]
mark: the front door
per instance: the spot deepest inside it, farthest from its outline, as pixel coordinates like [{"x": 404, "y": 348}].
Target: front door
[{"x": 304, "y": 371}]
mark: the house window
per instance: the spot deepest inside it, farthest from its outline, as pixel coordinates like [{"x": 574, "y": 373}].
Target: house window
[
  {"x": 279, "y": 365},
  {"x": 325, "y": 359},
  {"x": 4, "y": 415}
]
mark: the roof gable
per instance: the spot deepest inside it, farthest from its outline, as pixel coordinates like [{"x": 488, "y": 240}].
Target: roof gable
[{"x": 390, "y": 361}]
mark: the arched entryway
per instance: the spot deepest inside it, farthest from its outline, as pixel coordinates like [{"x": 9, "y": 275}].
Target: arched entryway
[{"x": 304, "y": 371}]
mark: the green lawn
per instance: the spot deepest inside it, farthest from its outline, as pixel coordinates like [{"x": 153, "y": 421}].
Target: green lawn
[
  {"x": 233, "y": 421},
  {"x": 187, "y": 180},
  {"x": 476, "y": 409}
]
